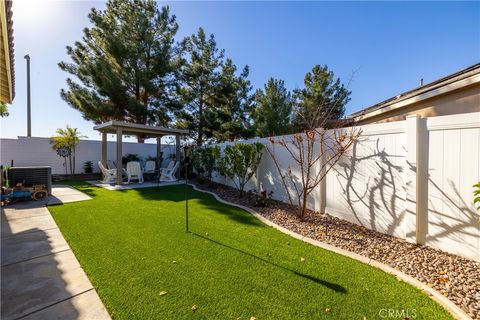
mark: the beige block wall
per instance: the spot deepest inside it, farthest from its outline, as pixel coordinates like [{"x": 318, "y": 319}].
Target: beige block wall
[{"x": 464, "y": 100}]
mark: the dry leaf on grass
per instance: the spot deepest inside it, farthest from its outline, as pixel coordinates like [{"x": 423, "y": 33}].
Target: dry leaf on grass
[
  {"x": 194, "y": 307},
  {"x": 162, "y": 293}
]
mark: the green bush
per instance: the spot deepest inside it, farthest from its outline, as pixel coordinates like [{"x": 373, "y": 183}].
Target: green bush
[
  {"x": 204, "y": 160},
  {"x": 260, "y": 199},
  {"x": 240, "y": 162},
  {"x": 88, "y": 167},
  {"x": 154, "y": 158},
  {"x": 130, "y": 157}
]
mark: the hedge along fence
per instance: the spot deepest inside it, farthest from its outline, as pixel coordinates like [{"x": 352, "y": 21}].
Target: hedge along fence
[{"x": 411, "y": 179}]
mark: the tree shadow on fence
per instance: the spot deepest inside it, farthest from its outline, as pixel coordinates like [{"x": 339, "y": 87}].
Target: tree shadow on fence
[{"x": 383, "y": 192}]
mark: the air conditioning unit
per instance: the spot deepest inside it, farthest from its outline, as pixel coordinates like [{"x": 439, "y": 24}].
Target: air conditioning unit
[{"x": 30, "y": 176}]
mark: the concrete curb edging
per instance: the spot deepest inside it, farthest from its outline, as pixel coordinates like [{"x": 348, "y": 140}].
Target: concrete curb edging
[{"x": 451, "y": 307}]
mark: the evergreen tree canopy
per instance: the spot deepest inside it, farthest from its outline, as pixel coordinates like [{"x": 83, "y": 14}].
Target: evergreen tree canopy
[
  {"x": 273, "y": 109},
  {"x": 124, "y": 64},
  {"x": 228, "y": 119},
  {"x": 322, "y": 98},
  {"x": 199, "y": 81},
  {"x": 216, "y": 101}
]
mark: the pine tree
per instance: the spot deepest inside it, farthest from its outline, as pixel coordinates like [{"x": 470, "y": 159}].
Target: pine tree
[
  {"x": 200, "y": 78},
  {"x": 124, "y": 64},
  {"x": 273, "y": 109},
  {"x": 322, "y": 98},
  {"x": 229, "y": 119}
]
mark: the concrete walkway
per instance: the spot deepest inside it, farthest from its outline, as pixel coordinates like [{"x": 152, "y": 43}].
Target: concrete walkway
[
  {"x": 64, "y": 194},
  {"x": 41, "y": 278}
]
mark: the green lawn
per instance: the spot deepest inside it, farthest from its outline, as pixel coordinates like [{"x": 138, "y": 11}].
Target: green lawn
[{"x": 133, "y": 245}]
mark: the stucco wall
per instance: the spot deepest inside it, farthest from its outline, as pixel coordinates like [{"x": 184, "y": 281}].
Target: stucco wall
[{"x": 464, "y": 100}]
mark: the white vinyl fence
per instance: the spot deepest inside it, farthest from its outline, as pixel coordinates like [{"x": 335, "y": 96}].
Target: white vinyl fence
[
  {"x": 411, "y": 179},
  {"x": 35, "y": 151}
]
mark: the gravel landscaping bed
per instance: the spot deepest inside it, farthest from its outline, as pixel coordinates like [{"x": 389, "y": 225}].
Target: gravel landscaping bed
[{"x": 455, "y": 277}]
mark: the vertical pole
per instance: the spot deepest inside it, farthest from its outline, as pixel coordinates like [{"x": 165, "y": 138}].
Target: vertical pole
[
  {"x": 177, "y": 147},
  {"x": 422, "y": 181},
  {"x": 186, "y": 162},
  {"x": 119, "y": 155},
  {"x": 186, "y": 196},
  {"x": 159, "y": 152},
  {"x": 29, "y": 111},
  {"x": 416, "y": 219},
  {"x": 104, "y": 149},
  {"x": 322, "y": 186}
]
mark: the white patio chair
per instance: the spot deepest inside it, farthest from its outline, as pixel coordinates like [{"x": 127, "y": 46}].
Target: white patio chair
[
  {"x": 168, "y": 175},
  {"x": 169, "y": 167},
  {"x": 111, "y": 164},
  {"x": 149, "y": 167},
  {"x": 134, "y": 172},
  {"x": 109, "y": 175}
]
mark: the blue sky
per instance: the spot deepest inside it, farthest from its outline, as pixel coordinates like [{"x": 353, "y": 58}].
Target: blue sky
[{"x": 388, "y": 45}]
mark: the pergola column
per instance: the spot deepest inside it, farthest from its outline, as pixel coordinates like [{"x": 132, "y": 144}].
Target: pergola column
[
  {"x": 177, "y": 147},
  {"x": 119, "y": 155},
  {"x": 104, "y": 149},
  {"x": 130, "y": 129},
  {"x": 159, "y": 151}
]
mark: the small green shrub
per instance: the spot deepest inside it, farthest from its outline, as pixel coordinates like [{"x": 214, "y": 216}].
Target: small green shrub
[
  {"x": 260, "y": 199},
  {"x": 204, "y": 161},
  {"x": 88, "y": 167},
  {"x": 476, "y": 195},
  {"x": 240, "y": 162},
  {"x": 130, "y": 157},
  {"x": 154, "y": 158}
]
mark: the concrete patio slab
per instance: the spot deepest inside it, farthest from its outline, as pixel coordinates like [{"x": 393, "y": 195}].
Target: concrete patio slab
[
  {"x": 28, "y": 224},
  {"x": 17, "y": 211},
  {"x": 86, "y": 306},
  {"x": 127, "y": 186},
  {"x": 31, "y": 245},
  {"x": 41, "y": 278},
  {"x": 38, "y": 283},
  {"x": 65, "y": 194}
]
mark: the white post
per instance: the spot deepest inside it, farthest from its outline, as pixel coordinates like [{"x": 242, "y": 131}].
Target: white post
[
  {"x": 119, "y": 155},
  {"x": 321, "y": 204},
  {"x": 104, "y": 149},
  {"x": 416, "y": 219},
  {"x": 422, "y": 181},
  {"x": 159, "y": 152},
  {"x": 177, "y": 147}
]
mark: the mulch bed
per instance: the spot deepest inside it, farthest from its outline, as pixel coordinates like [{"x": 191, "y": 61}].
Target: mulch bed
[{"x": 455, "y": 277}]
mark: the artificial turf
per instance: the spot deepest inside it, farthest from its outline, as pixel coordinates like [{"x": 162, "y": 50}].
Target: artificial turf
[{"x": 134, "y": 248}]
